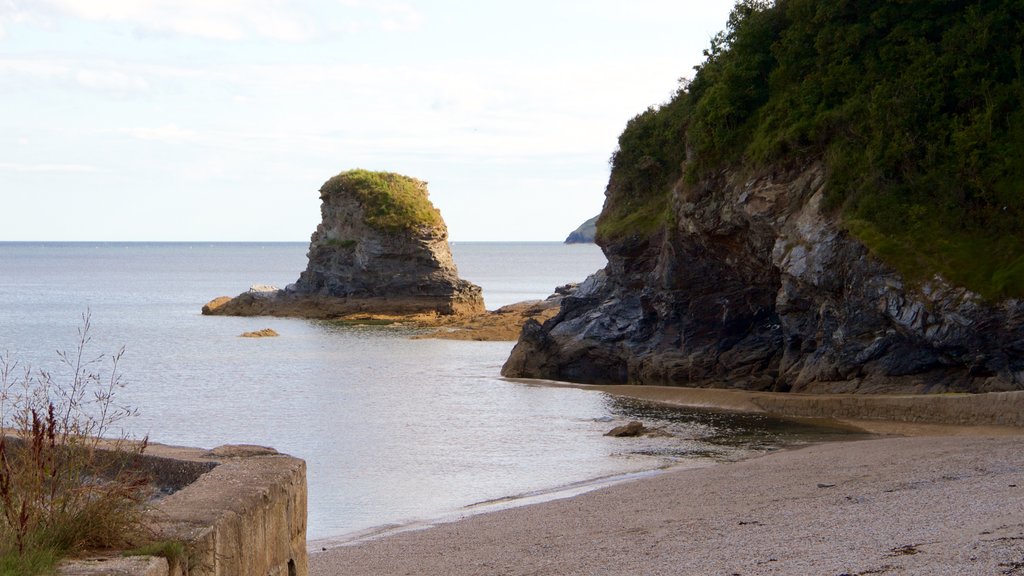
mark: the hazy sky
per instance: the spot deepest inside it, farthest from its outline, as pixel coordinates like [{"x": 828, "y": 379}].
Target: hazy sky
[{"x": 220, "y": 119}]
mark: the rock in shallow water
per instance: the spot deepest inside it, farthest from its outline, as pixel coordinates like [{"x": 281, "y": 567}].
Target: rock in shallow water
[
  {"x": 634, "y": 428},
  {"x": 381, "y": 248},
  {"x": 264, "y": 333}
]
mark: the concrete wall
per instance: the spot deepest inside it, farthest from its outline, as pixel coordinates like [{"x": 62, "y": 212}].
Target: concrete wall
[{"x": 244, "y": 514}]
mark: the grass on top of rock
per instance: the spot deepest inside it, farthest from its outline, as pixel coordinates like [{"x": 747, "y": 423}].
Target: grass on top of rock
[
  {"x": 915, "y": 107},
  {"x": 392, "y": 202}
]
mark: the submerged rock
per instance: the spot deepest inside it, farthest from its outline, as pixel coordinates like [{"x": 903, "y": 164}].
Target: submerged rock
[
  {"x": 264, "y": 333},
  {"x": 381, "y": 248},
  {"x": 634, "y": 428},
  {"x": 503, "y": 324}
]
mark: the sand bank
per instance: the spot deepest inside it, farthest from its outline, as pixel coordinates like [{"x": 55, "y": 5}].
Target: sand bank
[
  {"x": 914, "y": 505},
  {"x": 995, "y": 413}
]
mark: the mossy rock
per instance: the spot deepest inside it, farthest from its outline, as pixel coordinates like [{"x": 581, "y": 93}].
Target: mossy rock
[{"x": 391, "y": 202}]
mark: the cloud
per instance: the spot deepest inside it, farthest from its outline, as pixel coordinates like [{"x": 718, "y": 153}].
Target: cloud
[
  {"x": 11, "y": 14},
  {"x": 229, "y": 20},
  {"x": 219, "y": 20},
  {"x": 32, "y": 69},
  {"x": 399, "y": 18},
  {"x": 168, "y": 133},
  {"x": 49, "y": 168},
  {"x": 110, "y": 78},
  {"x": 110, "y": 81},
  {"x": 383, "y": 16}
]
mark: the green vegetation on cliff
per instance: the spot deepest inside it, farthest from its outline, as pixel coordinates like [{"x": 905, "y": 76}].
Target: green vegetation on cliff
[
  {"x": 647, "y": 163},
  {"x": 391, "y": 202},
  {"x": 917, "y": 108}
]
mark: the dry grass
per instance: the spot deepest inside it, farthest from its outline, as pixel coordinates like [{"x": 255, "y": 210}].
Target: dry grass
[{"x": 59, "y": 492}]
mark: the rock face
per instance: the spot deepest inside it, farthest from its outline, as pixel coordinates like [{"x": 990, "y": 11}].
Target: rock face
[
  {"x": 753, "y": 285},
  {"x": 381, "y": 248},
  {"x": 584, "y": 234}
]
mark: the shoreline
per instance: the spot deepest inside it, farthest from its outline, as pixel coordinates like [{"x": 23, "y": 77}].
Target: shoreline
[
  {"x": 543, "y": 496},
  {"x": 571, "y": 489},
  {"x": 991, "y": 413},
  {"x": 925, "y": 504},
  {"x": 937, "y": 498}
]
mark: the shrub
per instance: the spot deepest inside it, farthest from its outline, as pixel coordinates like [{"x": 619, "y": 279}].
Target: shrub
[
  {"x": 65, "y": 485},
  {"x": 648, "y": 160},
  {"x": 343, "y": 244}
]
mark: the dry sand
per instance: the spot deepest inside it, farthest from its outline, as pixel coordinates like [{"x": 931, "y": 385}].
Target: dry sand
[{"x": 949, "y": 500}]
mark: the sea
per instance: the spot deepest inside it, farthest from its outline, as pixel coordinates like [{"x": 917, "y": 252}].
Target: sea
[{"x": 395, "y": 431}]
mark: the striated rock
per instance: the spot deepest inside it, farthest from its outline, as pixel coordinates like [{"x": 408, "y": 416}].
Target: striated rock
[
  {"x": 584, "y": 234},
  {"x": 755, "y": 286},
  {"x": 381, "y": 248}
]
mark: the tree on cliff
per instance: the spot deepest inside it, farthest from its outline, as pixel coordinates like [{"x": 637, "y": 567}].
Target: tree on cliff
[{"x": 916, "y": 107}]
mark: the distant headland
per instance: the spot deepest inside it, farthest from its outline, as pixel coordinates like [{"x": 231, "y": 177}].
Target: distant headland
[{"x": 585, "y": 234}]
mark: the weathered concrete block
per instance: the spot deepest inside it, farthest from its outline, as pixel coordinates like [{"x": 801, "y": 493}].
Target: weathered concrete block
[{"x": 246, "y": 514}]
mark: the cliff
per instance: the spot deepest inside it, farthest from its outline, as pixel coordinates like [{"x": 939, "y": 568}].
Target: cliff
[
  {"x": 381, "y": 248},
  {"x": 584, "y": 234},
  {"x": 759, "y": 235},
  {"x": 756, "y": 287}
]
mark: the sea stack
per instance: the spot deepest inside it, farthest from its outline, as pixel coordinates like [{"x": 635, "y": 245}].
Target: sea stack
[{"x": 381, "y": 248}]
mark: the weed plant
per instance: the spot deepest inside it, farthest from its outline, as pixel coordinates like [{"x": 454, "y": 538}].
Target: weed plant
[{"x": 66, "y": 479}]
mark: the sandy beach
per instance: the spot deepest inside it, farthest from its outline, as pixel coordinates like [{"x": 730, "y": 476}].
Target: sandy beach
[
  {"x": 907, "y": 505},
  {"x": 920, "y": 499}
]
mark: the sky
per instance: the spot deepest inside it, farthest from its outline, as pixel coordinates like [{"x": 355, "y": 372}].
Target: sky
[{"x": 219, "y": 120}]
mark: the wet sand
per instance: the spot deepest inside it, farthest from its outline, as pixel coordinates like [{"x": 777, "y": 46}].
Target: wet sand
[
  {"x": 996, "y": 412},
  {"x": 949, "y": 500}
]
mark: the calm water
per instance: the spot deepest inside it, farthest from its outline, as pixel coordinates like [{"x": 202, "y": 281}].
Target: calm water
[{"x": 393, "y": 429}]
